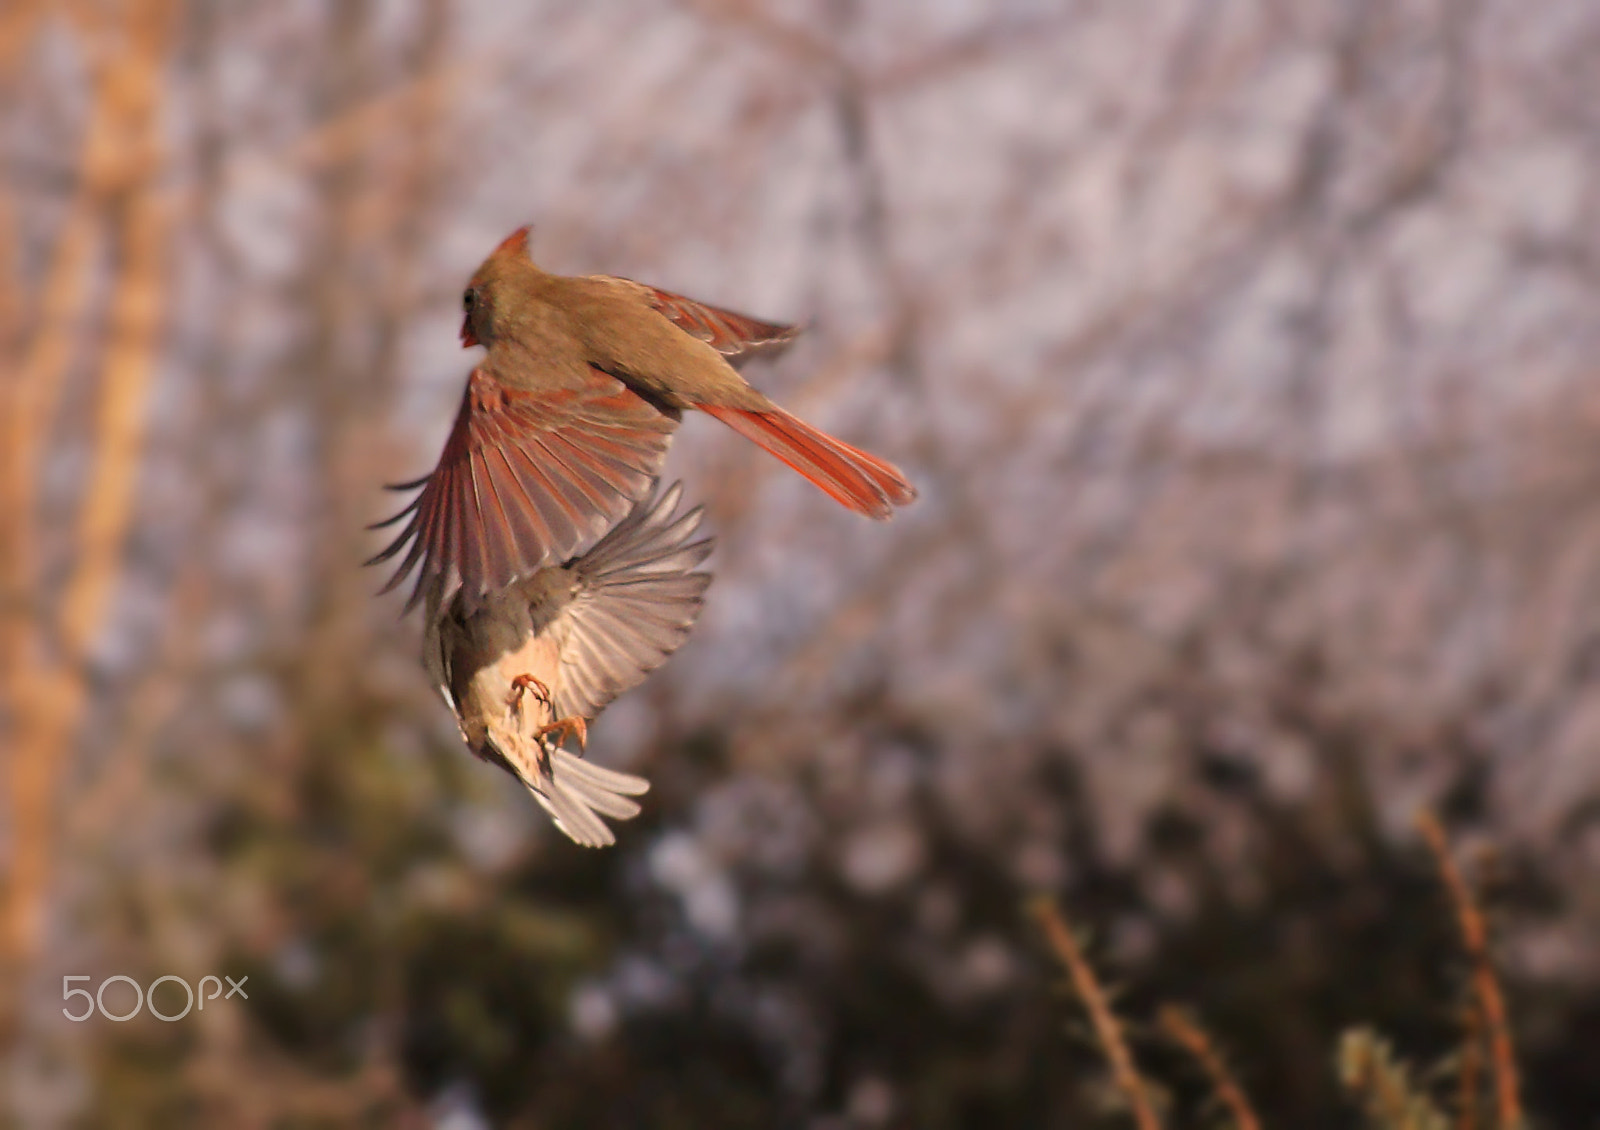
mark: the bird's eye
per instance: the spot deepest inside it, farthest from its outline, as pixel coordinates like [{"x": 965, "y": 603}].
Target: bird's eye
[{"x": 468, "y": 300}]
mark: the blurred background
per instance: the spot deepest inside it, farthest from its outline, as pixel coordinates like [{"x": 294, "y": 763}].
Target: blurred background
[{"x": 1243, "y": 354}]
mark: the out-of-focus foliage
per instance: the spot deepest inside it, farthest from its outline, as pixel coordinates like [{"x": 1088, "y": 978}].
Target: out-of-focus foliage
[{"x": 1242, "y": 352}]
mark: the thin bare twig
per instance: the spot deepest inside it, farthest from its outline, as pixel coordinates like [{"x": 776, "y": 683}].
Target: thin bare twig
[
  {"x": 1491, "y": 1006},
  {"x": 1188, "y": 1034},
  {"x": 1106, "y": 1027}
]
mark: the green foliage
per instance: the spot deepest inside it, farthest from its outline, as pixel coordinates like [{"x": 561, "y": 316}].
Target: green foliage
[
  {"x": 390, "y": 966},
  {"x": 1383, "y": 1085}
]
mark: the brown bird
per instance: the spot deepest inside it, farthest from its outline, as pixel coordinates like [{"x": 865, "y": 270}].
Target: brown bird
[
  {"x": 565, "y": 423},
  {"x": 532, "y": 662}
]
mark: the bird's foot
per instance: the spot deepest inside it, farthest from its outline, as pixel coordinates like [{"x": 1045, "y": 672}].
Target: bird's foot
[
  {"x": 566, "y": 728},
  {"x": 521, "y": 685}
]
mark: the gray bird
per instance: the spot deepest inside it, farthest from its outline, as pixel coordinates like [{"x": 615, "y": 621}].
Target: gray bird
[{"x": 527, "y": 666}]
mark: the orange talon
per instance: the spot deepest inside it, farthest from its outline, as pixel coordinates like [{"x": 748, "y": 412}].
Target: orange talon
[
  {"x": 521, "y": 685},
  {"x": 566, "y": 728}
]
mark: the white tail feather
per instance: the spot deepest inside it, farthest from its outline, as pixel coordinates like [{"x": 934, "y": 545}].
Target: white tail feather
[{"x": 573, "y": 791}]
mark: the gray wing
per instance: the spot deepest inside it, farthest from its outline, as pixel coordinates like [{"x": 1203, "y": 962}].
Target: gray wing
[
  {"x": 438, "y": 640},
  {"x": 638, "y": 594}
]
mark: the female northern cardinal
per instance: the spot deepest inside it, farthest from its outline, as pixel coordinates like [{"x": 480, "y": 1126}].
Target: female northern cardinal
[
  {"x": 566, "y": 421},
  {"x": 545, "y": 654}
]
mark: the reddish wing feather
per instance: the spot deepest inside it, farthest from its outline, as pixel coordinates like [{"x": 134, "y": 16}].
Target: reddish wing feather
[
  {"x": 735, "y": 336},
  {"x": 527, "y": 478}
]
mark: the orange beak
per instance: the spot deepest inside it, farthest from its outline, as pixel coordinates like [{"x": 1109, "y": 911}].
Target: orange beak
[{"x": 468, "y": 338}]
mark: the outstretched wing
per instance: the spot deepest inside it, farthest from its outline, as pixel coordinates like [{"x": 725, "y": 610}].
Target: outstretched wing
[
  {"x": 738, "y": 337},
  {"x": 638, "y": 594},
  {"x": 526, "y": 479}
]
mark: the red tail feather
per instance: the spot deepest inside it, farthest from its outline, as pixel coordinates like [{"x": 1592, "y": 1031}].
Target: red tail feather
[{"x": 849, "y": 476}]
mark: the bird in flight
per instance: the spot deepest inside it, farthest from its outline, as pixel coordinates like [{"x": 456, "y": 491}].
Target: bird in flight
[
  {"x": 565, "y": 422},
  {"x": 533, "y": 662}
]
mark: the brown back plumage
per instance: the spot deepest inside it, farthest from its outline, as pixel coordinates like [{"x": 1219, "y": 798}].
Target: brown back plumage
[{"x": 567, "y": 420}]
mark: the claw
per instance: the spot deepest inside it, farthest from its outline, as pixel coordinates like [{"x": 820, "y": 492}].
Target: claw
[
  {"x": 521, "y": 685},
  {"x": 566, "y": 728}
]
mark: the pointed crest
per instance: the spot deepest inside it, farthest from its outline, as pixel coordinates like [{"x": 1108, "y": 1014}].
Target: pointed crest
[{"x": 516, "y": 243}]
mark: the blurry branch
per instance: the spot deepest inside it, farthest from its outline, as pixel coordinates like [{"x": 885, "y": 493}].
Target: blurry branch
[
  {"x": 13, "y": 575},
  {"x": 1186, "y": 1032},
  {"x": 1369, "y": 1070},
  {"x": 1431, "y": 146},
  {"x": 377, "y": 115},
  {"x": 1107, "y": 1029},
  {"x": 10, "y": 288},
  {"x": 818, "y": 53},
  {"x": 794, "y": 42},
  {"x": 1490, "y": 1004},
  {"x": 135, "y": 318},
  {"x": 47, "y": 692},
  {"x": 30, "y": 397}
]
